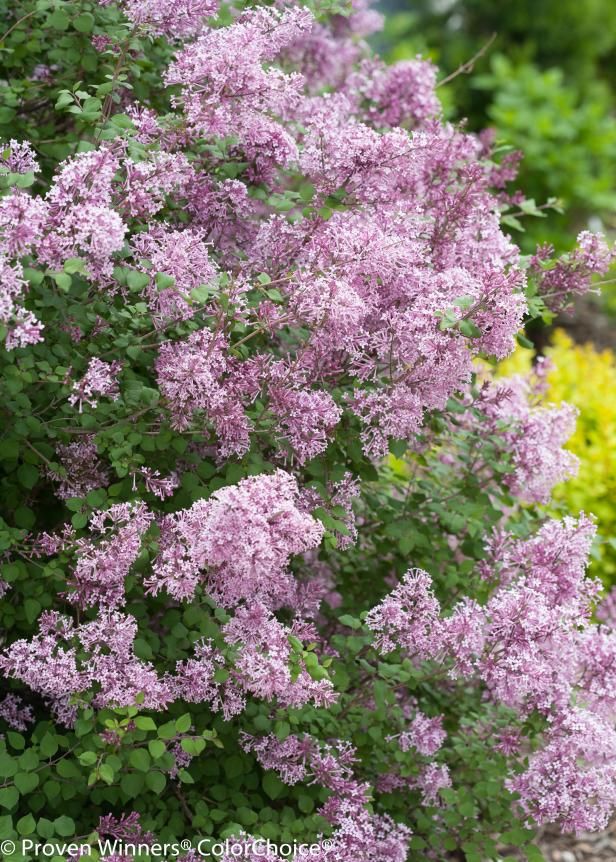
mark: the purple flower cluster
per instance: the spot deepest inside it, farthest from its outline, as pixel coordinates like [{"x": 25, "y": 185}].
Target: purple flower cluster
[{"x": 534, "y": 648}]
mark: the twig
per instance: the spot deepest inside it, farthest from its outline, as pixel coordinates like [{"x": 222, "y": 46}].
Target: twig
[
  {"x": 17, "y": 23},
  {"x": 467, "y": 68}
]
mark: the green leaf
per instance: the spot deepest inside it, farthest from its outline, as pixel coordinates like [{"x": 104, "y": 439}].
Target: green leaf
[
  {"x": 96, "y": 498},
  {"x": 157, "y": 748},
  {"x": 164, "y": 281},
  {"x": 8, "y": 797},
  {"x": 29, "y": 760},
  {"x": 272, "y": 785},
  {"x": 167, "y": 731},
  {"x": 523, "y": 341},
  {"x": 8, "y": 765},
  {"x": 140, "y": 759},
  {"x": 348, "y": 620},
  {"x": 106, "y": 772},
  {"x": 84, "y": 23},
  {"x": 137, "y": 281},
  {"x": 74, "y": 264},
  {"x": 185, "y": 777},
  {"x": 26, "y": 782},
  {"x": 26, "y": 825},
  {"x": 79, "y": 520},
  {"x": 234, "y": 766},
  {"x": 44, "y": 828},
  {"x": 88, "y": 758},
  {"x": 16, "y": 740},
  {"x": 155, "y": 781},
  {"x": 64, "y": 100},
  {"x": 182, "y": 724},
  {"x": 305, "y": 804},
  {"x": 469, "y": 329},
  {"x": 64, "y": 826},
  {"x": 132, "y": 784},
  {"x": 58, "y": 19},
  {"x": 28, "y": 475},
  {"x": 48, "y": 745},
  {"x": 144, "y": 722},
  {"x": 32, "y": 608},
  {"x": 63, "y": 280},
  {"x": 192, "y": 746}
]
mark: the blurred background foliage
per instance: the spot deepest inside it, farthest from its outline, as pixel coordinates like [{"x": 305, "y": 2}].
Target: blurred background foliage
[{"x": 545, "y": 80}]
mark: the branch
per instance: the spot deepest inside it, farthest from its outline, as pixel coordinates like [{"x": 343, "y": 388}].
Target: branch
[{"x": 467, "y": 68}]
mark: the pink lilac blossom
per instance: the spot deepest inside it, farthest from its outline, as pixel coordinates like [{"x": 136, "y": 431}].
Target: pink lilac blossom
[
  {"x": 194, "y": 681},
  {"x": 161, "y": 486},
  {"x": 463, "y": 636},
  {"x": 42, "y": 663},
  {"x": 289, "y": 757},
  {"x": 49, "y": 663},
  {"x": 195, "y": 377},
  {"x": 409, "y": 617},
  {"x": 264, "y": 511},
  {"x": 425, "y": 735},
  {"x": 571, "y": 780},
  {"x": 22, "y": 218},
  {"x": 146, "y": 185},
  {"x": 433, "y": 778},
  {"x": 535, "y": 437},
  {"x": 121, "y": 677},
  {"x": 183, "y": 256},
  {"x": 597, "y": 685},
  {"x": 530, "y": 660},
  {"x": 343, "y": 494},
  {"x": 22, "y": 327},
  {"x": 100, "y": 379},
  {"x": 227, "y": 91},
  {"x": 105, "y": 558},
  {"x": 263, "y": 658},
  {"x": 553, "y": 561},
  {"x": 83, "y": 469},
  {"x": 404, "y": 350},
  {"x": 225, "y": 212},
  {"x": 571, "y": 275},
  {"x": 527, "y": 644},
  {"x": 18, "y": 157},
  {"x": 399, "y": 95},
  {"x": 15, "y": 712},
  {"x": 305, "y": 759},
  {"x": 182, "y": 20},
  {"x": 305, "y": 419},
  {"x": 81, "y": 220}
]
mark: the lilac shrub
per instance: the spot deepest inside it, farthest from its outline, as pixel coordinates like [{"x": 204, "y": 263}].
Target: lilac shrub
[{"x": 277, "y": 563}]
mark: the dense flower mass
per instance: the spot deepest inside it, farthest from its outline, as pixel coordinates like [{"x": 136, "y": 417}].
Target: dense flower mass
[{"x": 264, "y": 497}]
